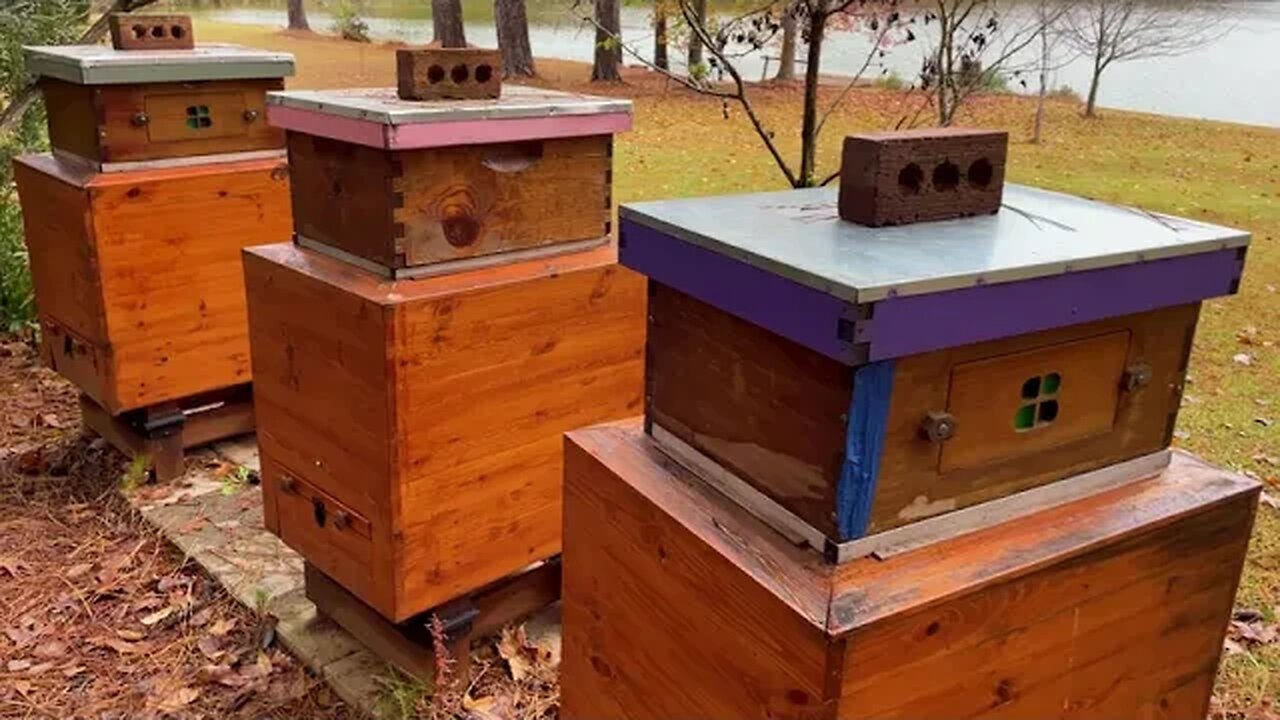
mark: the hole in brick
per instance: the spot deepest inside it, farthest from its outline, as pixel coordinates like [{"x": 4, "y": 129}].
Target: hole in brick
[
  {"x": 157, "y": 31},
  {"x": 910, "y": 178},
  {"x": 177, "y": 32},
  {"x": 946, "y": 176},
  {"x": 459, "y": 74},
  {"x": 980, "y": 172},
  {"x": 484, "y": 73},
  {"x": 435, "y": 74},
  {"x": 139, "y": 31}
]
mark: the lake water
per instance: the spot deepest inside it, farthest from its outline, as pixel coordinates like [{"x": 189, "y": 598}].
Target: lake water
[{"x": 1233, "y": 77}]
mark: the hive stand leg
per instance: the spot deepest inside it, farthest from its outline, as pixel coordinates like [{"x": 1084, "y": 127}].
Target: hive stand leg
[
  {"x": 409, "y": 645},
  {"x": 162, "y": 426}
]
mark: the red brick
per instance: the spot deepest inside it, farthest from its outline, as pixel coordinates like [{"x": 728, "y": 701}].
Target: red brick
[
  {"x": 896, "y": 178},
  {"x": 151, "y": 32}
]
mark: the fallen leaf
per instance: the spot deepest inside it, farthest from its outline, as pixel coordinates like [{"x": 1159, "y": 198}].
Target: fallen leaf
[
  {"x": 131, "y": 635},
  {"x": 221, "y": 674},
  {"x": 1254, "y": 633},
  {"x": 173, "y": 583},
  {"x": 22, "y": 686},
  {"x": 157, "y": 616},
  {"x": 1242, "y": 359},
  {"x": 76, "y": 571},
  {"x": 73, "y": 671},
  {"x": 125, "y": 648},
  {"x": 175, "y": 701},
  {"x": 12, "y": 566},
  {"x": 211, "y": 647},
  {"x": 1270, "y": 501},
  {"x": 40, "y": 669},
  {"x": 201, "y": 618},
  {"x": 1264, "y": 422},
  {"x": 19, "y": 636},
  {"x": 50, "y": 649},
  {"x": 222, "y": 627},
  {"x": 18, "y": 665},
  {"x": 51, "y": 420}
]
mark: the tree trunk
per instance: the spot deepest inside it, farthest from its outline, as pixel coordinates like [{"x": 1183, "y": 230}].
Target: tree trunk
[
  {"x": 699, "y": 8},
  {"x": 513, "y": 37},
  {"x": 608, "y": 41},
  {"x": 298, "y": 16},
  {"x": 787, "y": 58},
  {"x": 446, "y": 23},
  {"x": 1044, "y": 85},
  {"x": 660, "y": 35},
  {"x": 1090, "y": 107},
  {"x": 809, "y": 123}
]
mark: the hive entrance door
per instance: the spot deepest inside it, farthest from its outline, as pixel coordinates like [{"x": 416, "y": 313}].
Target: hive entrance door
[{"x": 1028, "y": 402}]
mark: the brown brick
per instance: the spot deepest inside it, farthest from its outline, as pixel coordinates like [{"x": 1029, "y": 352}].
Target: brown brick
[
  {"x": 896, "y": 178},
  {"x": 440, "y": 73},
  {"x": 151, "y": 32}
]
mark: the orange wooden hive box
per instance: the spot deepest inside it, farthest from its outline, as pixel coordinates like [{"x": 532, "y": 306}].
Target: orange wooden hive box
[
  {"x": 161, "y": 171},
  {"x": 409, "y": 415},
  {"x": 967, "y": 423}
]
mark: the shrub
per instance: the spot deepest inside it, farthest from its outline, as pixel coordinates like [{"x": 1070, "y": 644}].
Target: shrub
[
  {"x": 890, "y": 81},
  {"x": 24, "y": 22},
  {"x": 347, "y": 22}
]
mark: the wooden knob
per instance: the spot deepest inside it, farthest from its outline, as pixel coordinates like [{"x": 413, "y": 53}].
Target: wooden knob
[
  {"x": 288, "y": 483},
  {"x": 1136, "y": 377},
  {"x": 938, "y": 426},
  {"x": 250, "y": 115},
  {"x": 140, "y": 119},
  {"x": 342, "y": 520}
]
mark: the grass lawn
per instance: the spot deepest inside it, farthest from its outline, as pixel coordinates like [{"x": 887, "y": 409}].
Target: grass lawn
[{"x": 687, "y": 145}]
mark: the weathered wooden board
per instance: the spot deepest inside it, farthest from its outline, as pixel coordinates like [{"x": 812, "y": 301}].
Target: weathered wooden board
[
  {"x": 415, "y": 207},
  {"x": 796, "y": 424},
  {"x": 139, "y": 122}
]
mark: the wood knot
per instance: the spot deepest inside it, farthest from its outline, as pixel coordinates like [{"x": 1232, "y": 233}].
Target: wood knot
[{"x": 458, "y": 219}]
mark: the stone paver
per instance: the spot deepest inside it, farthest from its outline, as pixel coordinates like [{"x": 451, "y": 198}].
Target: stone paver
[{"x": 217, "y": 522}]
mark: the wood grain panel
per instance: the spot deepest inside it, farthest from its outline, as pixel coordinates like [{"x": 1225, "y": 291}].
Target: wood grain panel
[
  {"x": 167, "y": 135},
  {"x": 1106, "y": 634},
  {"x": 660, "y": 622},
  {"x": 769, "y": 409},
  {"x": 986, "y": 395},
  {"x": 168, "y": 248},
  {"x": 910, "y": 485},
  {"x": 73, "y": 113},
  {"x": 487, "y": 380},
  {"x": 473, "y": 200},
  {"x": 321, "y": 378},
  {"x": 341, "y": 196}
]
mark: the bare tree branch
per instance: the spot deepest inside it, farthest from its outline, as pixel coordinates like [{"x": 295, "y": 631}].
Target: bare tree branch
[{"x": 26, "y": 97}]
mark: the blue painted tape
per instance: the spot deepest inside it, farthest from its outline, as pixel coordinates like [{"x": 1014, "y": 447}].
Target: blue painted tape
[{"x": 868, "y": 419}]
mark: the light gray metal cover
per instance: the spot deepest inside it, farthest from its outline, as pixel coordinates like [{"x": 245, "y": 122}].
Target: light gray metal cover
[
  {"x": 104, "y": 65},
  {"x": 382, "y": 105},
  {"x": 798, "y": 234}
]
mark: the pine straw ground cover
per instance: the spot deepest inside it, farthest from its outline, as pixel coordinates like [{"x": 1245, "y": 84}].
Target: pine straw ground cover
[{"x": 99, "y": 617}]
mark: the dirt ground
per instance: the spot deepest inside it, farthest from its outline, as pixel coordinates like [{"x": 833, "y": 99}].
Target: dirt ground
[{"x": 100, "y": 618}]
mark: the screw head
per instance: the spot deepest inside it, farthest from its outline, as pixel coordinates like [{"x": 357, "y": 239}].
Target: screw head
[
  {"x": 342, "y": 520},
  {"x": 140, "y": 119},
  {"x": 938, "y": 426},
  {"x": 288, "y": 483},
  {"x": 1137, "y": 377},
  {"x": 250, "y": 115}
]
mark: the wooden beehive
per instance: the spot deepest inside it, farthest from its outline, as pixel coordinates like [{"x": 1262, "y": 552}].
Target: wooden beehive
[
  {"x": 906, "y": 176},
  {"x": 413, "y": 188},
  {"x": 859, "y": 387},
  {"x": 679, "y": 604},
  {"x": 410, "y": 430},
  {"x": 137, "y": 274},
  {"x": 119, "y": 109}
]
